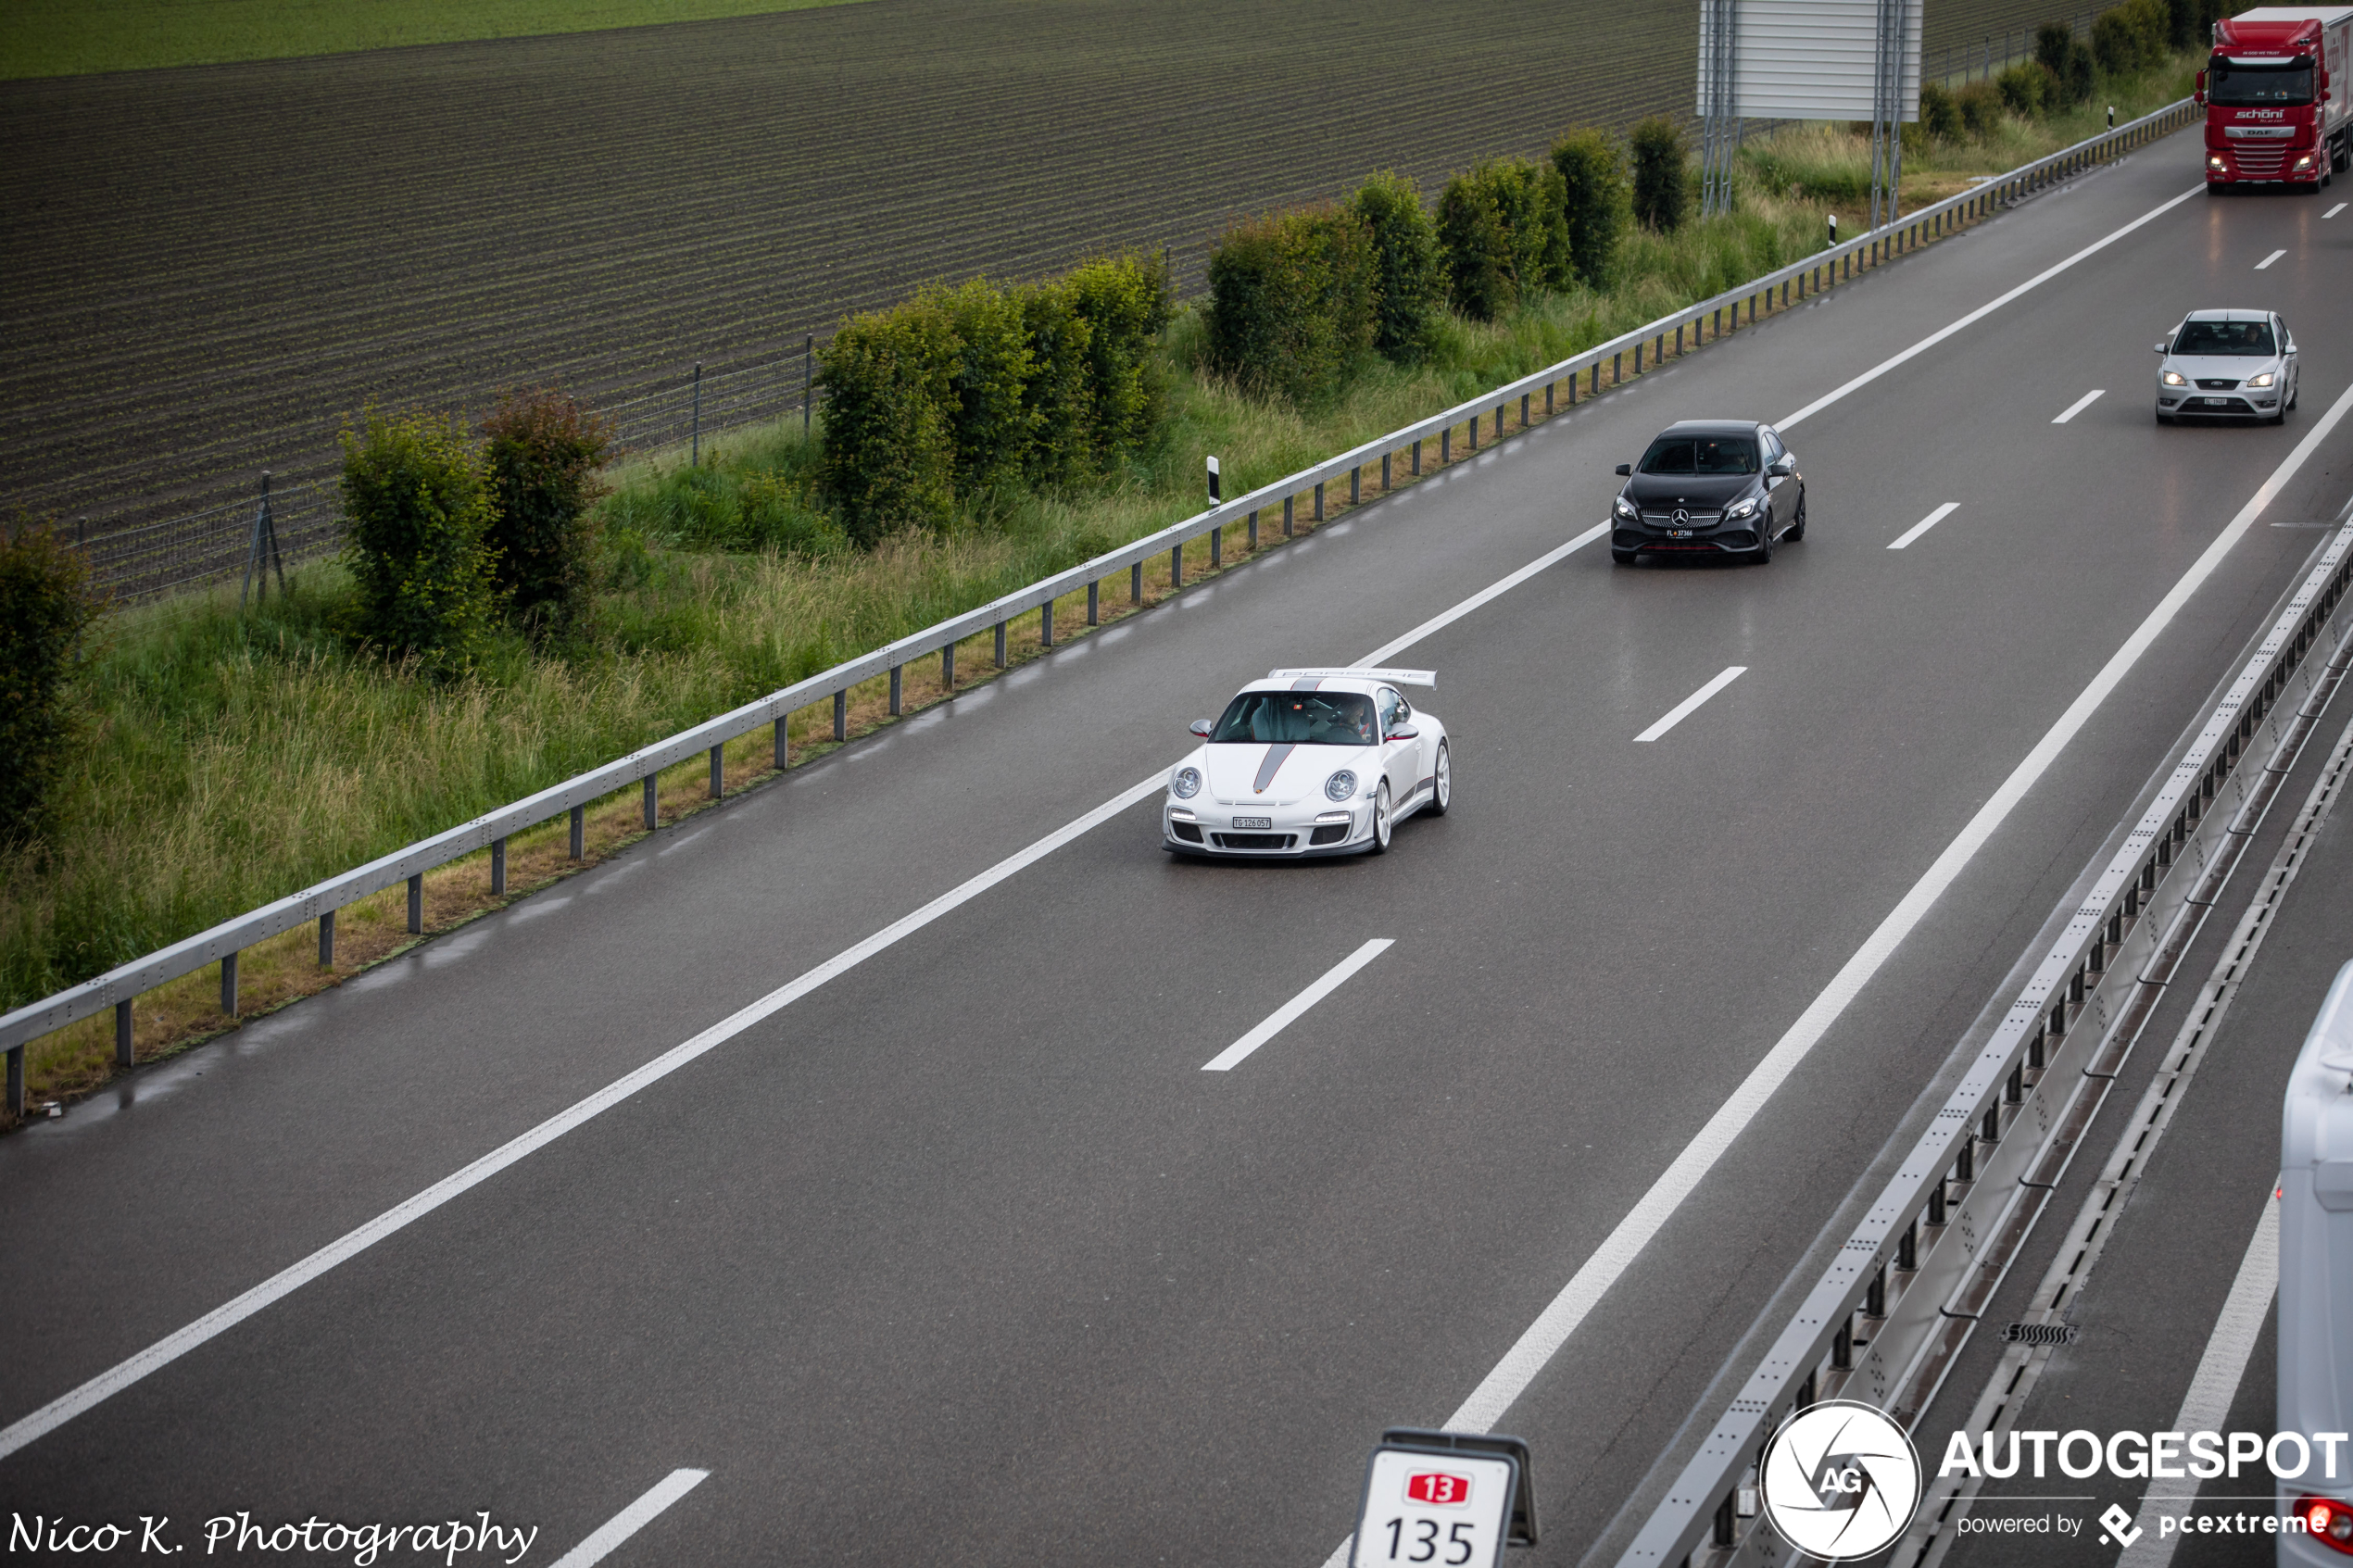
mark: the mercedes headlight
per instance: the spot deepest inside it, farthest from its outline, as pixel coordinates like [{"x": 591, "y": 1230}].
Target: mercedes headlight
[
  {"x": 1627, "y": 510},
  {"x": 2174, "y": 378},
  {"x": 2263, "y": 379},
  {"x": 1185, "y": 784},
  {"x": 1745, "y": 508},
  {"x": 1341, "y": 785}
]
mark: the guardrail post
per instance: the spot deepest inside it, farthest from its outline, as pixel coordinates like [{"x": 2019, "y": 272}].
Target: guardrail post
[
  {"x": 1175, "y": 566},
  {"x": 718, "y": 768},
  {"x": 327, "y": 940},
  {"x": 1319, "y": 500},
  {"x": 1498, "y": 420},
  {"x": 841, "y": 699},
  {"x": 1135, "y": 597},
  {"x": 1045, "y": 627},
  {"x": 1384, "y": 472},
  {"x": 15, "y": 1081},
  {"x": 1355, "y": 491},
  {"x": 1523, "y": 406},
  {"x": 1638, "y": 359},
  {"x": 784, "y": 736},
  {"x": 1417, "y": 456},
  {"x": 1094, "y": 604},
  {"x": 123, "y": 1055},
  {"x": 229, "y": 984},
  {"x": 1286, "y": 505},
  {"x": 1618, "y": 363},
  {"x": 1548, "y": 397},
  {"x": 579, "y": 848},
  {"x": 498, "y": 868},
  {"x": 1253, "y": 528},
  {"x": 653, "y": 800},
  {"x": 417, "y": 883},
  {"x": 1217, "y": 548},
  {"x": 1470, "y": 429},
  {"x": 1445, "y": 447},
  {"x": 896, "y": 685}
]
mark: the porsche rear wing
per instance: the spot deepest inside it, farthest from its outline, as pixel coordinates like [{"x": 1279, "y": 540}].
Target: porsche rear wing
[{"x": 1394, "y": 677}]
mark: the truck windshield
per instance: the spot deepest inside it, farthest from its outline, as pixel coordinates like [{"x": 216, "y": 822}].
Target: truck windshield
[{"x": 2242, "y": 86}]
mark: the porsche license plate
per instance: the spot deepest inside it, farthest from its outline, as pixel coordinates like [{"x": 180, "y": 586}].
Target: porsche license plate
[{"x": 1260, "y": 823}]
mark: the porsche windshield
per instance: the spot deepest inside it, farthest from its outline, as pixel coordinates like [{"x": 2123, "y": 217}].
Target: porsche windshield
[
  {"x": 2236, "y": 85},
  {"x": 2226, "y": 340},
  {"x": 1301, "y": 717},
  {"x": 1700, "y": 455}
]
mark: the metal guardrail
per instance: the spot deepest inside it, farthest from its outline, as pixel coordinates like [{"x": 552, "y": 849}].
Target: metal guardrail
[
  {"x": 1893, "y": 1309},
  {"x": 1703, "y": 322}
]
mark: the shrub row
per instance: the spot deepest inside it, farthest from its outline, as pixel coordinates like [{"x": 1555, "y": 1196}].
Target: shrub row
[
  {"x": 965, "y": 391},
  {"x": 2065, "y": 71}
]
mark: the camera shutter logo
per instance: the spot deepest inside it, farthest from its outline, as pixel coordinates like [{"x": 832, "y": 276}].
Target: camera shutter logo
[{"x": 1841, "y": 1481}]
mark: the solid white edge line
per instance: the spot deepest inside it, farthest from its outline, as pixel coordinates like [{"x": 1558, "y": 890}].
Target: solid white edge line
[
  {"x": 2081, "y": 404},
  {"x": 169, "y": 1348},
  {"x": 2258, "y": 266},
  {"x": 1939, "y": 515},
  {"x": 633, "y": 1518},
  {"x": 1282, "y": 1017},
  {"x": 1690, "y": 704},
  {"x": 1983, "y": 310},
  {"x": 2216, "y": 1382},
  {"x": 1537, "y": 1345}
]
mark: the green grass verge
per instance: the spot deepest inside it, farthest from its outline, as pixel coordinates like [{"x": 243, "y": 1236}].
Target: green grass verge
[
  {"x": 235, "y": 757},
  {"x": 81, "y": 37}
]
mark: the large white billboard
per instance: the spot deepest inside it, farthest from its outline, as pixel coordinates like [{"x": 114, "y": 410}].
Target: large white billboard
[{"x": 1807, "y": 59}]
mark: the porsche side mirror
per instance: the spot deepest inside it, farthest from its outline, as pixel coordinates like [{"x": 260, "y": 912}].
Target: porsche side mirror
[
  {"x": 1405, "y": 731},
  {"x": 1201, "y": 727},
  {"x": 1625, "y": 467}
]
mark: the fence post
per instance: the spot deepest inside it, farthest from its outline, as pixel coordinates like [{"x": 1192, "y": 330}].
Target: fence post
[
  {"x": 123, "y": 1055},
  {"x": 694, "y": 457},
  {"x": 808, "y": 379}
]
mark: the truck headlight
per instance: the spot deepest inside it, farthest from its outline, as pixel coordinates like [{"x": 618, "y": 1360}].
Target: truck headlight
[
  {"x": 2214, "y": 161},
  {"x": 2304, "y": 162},
  {"x": 1185, "y": 783}
]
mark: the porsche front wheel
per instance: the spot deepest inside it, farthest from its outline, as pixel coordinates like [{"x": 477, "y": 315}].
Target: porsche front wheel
[
  {"x": 1382, "y": 826},
  {"x": 1442, "y": 789}
]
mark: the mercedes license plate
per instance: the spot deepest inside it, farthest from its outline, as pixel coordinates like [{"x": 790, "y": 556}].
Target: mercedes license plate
[{"x": 1261, "y": 824}]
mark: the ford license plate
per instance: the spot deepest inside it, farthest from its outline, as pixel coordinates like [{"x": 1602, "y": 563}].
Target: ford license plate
[{"x": 1261, "y": 824}]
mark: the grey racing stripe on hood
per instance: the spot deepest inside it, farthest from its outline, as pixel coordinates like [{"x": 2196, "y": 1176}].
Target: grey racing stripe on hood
[
  {"x": 1307, "y": 684},
  {"x": 1266, "y": 769}
]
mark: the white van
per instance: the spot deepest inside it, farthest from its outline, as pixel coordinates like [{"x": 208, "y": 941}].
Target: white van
[{"x": 2316, "y": 1278}]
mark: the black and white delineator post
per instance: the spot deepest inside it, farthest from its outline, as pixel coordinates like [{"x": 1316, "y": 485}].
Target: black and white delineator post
[
  {"x": 264, "y": 553},
  {"x": 1212, "y": 481},
  {"x": 1455, "y": 1498}
]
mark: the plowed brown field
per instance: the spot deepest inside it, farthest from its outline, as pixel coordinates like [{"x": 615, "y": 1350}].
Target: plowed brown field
[{"x": 208, "y": 269}]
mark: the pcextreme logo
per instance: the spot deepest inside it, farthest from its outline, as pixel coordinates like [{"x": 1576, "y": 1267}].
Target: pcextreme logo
[{"x": 1841, "y": 1481}]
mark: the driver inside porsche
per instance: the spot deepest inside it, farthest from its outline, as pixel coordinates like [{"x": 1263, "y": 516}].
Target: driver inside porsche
[{"x": 1300, "y": 719}]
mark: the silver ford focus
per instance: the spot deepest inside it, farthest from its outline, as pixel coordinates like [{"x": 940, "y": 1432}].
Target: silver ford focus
[{"x": 2227, "y": 364}]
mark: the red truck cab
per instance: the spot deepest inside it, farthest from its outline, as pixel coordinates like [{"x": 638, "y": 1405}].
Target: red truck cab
[{"x": 2279, "y": 104}]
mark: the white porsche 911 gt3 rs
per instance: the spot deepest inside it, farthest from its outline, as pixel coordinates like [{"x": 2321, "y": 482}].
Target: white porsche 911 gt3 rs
[{"x": 1309, "y": 762}]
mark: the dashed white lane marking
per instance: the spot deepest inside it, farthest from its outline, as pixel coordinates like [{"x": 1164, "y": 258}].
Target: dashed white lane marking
[
  {"x": 2334, "y": 210},
  {"x": 2081, "y": 404},
  {"x": 1284, "y": 1016},
  {"x": 2268, "y": 260},
  {"x": 1939, "y": 515},
  {"x": 2216, "y": 1382},
  {"x": 1690, "y": 705},
  {"x": 633, "y": 1518}
]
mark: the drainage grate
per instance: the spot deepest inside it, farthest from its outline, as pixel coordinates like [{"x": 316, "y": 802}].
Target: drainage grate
[{"x": 2040, "y": 1334}]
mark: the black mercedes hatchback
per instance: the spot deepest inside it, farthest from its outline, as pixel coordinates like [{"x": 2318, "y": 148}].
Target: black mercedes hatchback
[{"x": 1709, "y": 487}]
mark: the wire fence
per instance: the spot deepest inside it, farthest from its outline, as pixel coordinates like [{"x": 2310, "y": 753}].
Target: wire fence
[{"x": 1995, "y": 53}]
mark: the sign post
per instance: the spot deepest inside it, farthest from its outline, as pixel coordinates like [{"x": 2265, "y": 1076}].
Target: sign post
[{"x": 1448, "y": 1499}]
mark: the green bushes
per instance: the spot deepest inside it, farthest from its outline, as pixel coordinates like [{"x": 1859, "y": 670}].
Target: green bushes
[
  {"x": 2132, "y": 37},
  {"x": 543, "y": 452},
  {"x": 1662, "y": 189},
  {"x": 417, "y": 508},
  {"x": 2027, "y": 89},
  {"x": 1939, "y": 116},
  {"x": 2069, "y": 61},
  {"x": 45, "y": 610},
  {"x": 1293, "y": 299},
  {"x": 1980, "y": 105},
  {"x": 1406, "y": 273},
  {"x": 1595, "y": 202},
  {"x": 961, "y": 394},
  {"x": 1504, "y": 233}
]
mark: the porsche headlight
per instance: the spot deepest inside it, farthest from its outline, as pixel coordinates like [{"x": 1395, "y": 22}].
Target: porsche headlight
[
  {"x": 2263, "y": 379},
  {"x": 1745, "y": 509},
  {"x": 2174, "y": 378},
  {"x": 1626, "y": 509},
  {"x": 1341, "y": 785},
  {"x": 1185, "y": 783}
]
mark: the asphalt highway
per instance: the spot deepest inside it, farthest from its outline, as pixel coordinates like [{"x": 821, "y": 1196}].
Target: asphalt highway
[{"x": 960, "y": 1256}]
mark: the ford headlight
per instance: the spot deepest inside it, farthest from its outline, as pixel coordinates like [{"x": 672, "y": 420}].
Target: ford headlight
[
  {"x": 1341, "y": 785},
  {"x": 1745, "y": 508},
  {"x": 2174, "y": 378},
  {"x": 1626, "y": 509},
  {"x": 2263, "y": 379},
  {"x": 1185, "y": 784}
]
